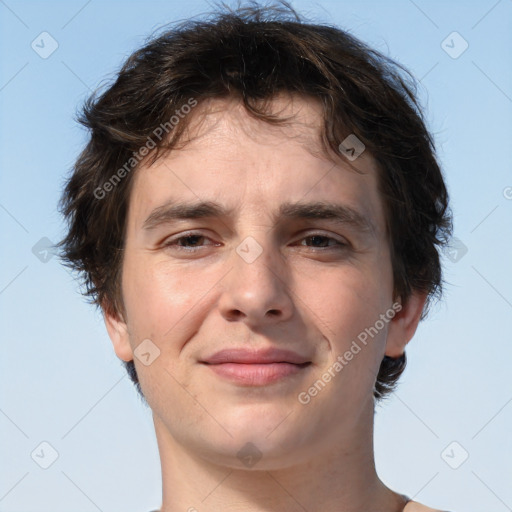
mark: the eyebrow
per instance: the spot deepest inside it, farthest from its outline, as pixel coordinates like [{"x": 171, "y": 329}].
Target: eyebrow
[{"x": 320, "y": 210}]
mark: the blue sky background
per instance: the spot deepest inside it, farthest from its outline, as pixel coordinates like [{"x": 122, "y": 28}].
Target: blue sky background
[{"x": 61, "y": 382}]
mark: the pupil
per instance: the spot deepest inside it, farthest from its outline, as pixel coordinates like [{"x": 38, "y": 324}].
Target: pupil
[
  {"x": 317, "y": 238},
  {"x": 192, "y": 239}
]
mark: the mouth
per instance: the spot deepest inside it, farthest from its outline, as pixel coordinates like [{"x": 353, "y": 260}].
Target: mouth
[
  {"x": 257, "y": 374},
  {"x": 257, "y": 368}
]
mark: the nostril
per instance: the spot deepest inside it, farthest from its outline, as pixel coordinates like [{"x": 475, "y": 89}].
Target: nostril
[{"x": 236, "y": 313}]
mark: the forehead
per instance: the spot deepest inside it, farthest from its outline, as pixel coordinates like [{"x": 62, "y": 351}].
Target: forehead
[{"x": 228, "y": 156}]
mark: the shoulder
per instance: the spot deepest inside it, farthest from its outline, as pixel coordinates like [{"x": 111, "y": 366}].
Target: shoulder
[{"x": 414, "y": 506}]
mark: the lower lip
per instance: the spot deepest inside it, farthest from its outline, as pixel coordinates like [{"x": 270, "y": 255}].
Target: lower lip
[{"x": 256, "y": 374}]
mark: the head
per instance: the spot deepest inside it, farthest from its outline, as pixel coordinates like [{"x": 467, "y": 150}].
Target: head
[{"x": 250, "y": 110}]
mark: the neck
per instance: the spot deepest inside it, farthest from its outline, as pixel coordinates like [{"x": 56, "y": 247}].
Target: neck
[{"x": 338, "y": 479}]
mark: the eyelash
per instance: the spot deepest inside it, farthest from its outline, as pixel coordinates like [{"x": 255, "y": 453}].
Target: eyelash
[{"x": 174, "y": 242}]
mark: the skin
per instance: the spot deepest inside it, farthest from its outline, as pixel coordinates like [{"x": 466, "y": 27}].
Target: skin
[{"x": 310, "y": 295}]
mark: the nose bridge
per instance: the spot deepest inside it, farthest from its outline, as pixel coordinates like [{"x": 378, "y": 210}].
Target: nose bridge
[
  {"x": 257, "y": 261},
  {"x": 257, "y": 251},
  {"x": 256, "y": 289}
]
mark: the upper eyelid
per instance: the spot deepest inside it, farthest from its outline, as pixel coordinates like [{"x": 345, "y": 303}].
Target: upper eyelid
[
  {"x": 178, "y": 237},
  {"x": 304, "y": 235}
]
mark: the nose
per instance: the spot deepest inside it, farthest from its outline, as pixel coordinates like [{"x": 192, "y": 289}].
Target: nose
[{"x": 256, "y": 290}]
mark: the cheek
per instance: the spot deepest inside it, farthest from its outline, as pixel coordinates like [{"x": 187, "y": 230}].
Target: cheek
[
  {"x": 166, "y": 306},
  {"x": 347, "y": 305},
  {"x": 162, "y": 302},
  {"x": 345, "y": 300}
]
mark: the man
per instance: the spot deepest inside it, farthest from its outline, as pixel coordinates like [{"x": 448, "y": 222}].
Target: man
[{"x": 258, "y": 213}]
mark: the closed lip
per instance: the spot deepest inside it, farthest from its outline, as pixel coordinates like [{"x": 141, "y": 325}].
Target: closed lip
[{"x": 263, "y": 356}]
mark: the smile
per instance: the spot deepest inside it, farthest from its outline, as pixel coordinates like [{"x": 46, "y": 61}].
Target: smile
[{"x": 257, "y": 374}]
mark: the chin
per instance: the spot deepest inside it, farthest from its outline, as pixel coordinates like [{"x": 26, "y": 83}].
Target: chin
[
  {"x": 266, "y": 421},
  {"x": 258, "y": 441},
  {"x": 258, "y": 454}
]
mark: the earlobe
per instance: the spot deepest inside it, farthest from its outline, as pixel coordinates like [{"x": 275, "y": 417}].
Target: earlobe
[
  {"x": 403, "y": 325},
  {"x": 118, "y": 332}
]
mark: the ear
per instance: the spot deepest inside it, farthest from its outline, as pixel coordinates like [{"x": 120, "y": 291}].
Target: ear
[
  {"x": 117, "y": 331},
  {"x": 403, "y": 325}
]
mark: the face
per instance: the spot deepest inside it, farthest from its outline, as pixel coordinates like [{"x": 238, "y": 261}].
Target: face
[{"x": 248, "y": 242}]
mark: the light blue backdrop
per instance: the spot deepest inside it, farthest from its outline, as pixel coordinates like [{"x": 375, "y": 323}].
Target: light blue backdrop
[{"x": 61, "y": 382}]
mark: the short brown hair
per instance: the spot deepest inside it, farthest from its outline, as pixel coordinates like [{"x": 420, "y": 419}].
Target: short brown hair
[{"x": 253, "y": 53}]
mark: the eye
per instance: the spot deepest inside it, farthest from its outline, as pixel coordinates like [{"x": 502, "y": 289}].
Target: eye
[
  {"x": 187, "y": 242},
  {"x": 194, "y": 241},
  {"x": 321, "y": 241}
]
